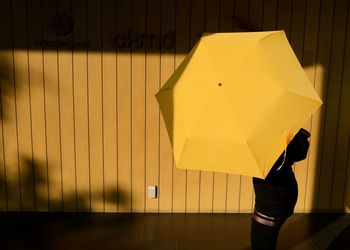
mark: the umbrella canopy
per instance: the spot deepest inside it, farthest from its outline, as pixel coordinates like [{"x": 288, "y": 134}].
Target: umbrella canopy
[{"x": 235, "y": 102}]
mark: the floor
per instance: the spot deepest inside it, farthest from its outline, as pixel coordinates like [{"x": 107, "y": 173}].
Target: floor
[{"x": 165, "y": 231}]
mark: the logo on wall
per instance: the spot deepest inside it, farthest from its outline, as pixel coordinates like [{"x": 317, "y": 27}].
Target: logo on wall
[
  {"x": 62, "y": 25},
  {"x": 129, "y": 40}
]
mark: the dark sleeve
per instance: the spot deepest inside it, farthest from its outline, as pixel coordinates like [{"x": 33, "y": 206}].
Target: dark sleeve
[{"x": 298, "y": 147}]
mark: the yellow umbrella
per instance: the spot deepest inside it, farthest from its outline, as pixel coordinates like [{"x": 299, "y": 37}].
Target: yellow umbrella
[{"x": 235, "y": 102}]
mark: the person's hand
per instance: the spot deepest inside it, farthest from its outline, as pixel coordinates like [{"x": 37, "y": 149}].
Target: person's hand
[{"x": 298, "y": 147}]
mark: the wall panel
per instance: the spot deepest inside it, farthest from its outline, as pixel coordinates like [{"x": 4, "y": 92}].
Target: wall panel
[
  {"x": 94, "y": 69},
  {"x": 138, "y": 58},
  {"x": 166, "y": 160},
  {"x": 9, "y": 113},
  {"x": 182, "y": 20},
  {"x": 65, "y": 83},
  {"x": 23, "y": 110},
  {"x": 297, "y": 39},
  {"x": 37, "y": 94},
  {"x": 341, "y": 123},
  {"x": 81, "y": 111},
  {"x": 109, "y": 105},
  {"x": 152, "y": 80},
  {"x": 193, "y": 181},
  {"x": 81, "y": 129},
  {"x": 344, "y": 122},
  {"x": 52, "y": 111},
  {"x": 221, "y": 180},
  {"x": 246, "y": 196},
  {"x": 309, "y": 65},
  {"x": 233, "y": 182},
  {"x": 211, "y": 25},
  {"x": 332, "y": 105},
  {"x": 124, "y": 111}
]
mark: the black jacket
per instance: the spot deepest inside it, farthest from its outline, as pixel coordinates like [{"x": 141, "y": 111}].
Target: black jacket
[{"x": 276, "y": 195}]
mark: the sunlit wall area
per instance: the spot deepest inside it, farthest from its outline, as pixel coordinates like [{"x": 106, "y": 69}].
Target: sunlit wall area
[{"x": 80, "y": 128}]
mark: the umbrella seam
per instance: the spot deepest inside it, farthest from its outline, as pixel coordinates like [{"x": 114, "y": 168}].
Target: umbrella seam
[{"x": 207, "y": 55}]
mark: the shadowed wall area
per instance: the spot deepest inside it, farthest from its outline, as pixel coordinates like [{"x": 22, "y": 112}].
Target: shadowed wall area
[{"x": 80, "y": 128}]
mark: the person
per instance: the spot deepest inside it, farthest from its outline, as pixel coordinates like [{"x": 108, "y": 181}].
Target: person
[{"x": 276, "y": 195}]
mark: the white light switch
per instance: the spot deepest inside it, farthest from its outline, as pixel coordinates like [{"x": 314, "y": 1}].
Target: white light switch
[{"x": 152, "y": 191}]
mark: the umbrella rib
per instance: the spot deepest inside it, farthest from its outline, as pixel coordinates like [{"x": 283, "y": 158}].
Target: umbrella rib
[
  {"x": 271, "y": 34},
  {"x": 255, "y": 158},
  {"x": 182, "y": 151},
  {"x": 204, "y": 46},
  {"x": 304, "y": 96},
  {"x": 246, "y": 140}
]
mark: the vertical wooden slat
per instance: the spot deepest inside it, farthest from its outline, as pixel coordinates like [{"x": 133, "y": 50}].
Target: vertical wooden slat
[
  {"x": 320, "y": 83},
  {"x": 124, "y": 112},
  {"x": 167, "y": 68},
  {"x": 4, "y": 27},
  {"x": 182, "y": 47},
  {"x": 109, "y": 105},
  {"x": 246, "y": 187},
  {"x": 309, "y": 61},
  {"x": 224, "y": 24},
  {"x": 35, "y": 55},
  {"x": 337, "y": 195},
  {"x": 341, "y": 143},
  {"x": 11, "y": 164},
  {"x": 152, "y": 109},
  {"x": 211, "y": 18},
  {"x": 79, "y": 69},
  {"x": 52, "y": 109},
  {"x": 344, "y": 121},
  {"x": 8, "y": 99},
  {"x": 193, "y": 177},
  {"x": 242, "y": 14},
  {"x": 256, "y": 14},
  {"x": 347, "y": 180},
  {"x": 138, "y": 107},
  {"x": 3, "y": 197},
  {"x": 270, "y": 14},
  {"x": 66, "y": 114},
  {"x": 297, "y": 27},
  {"x": 23, "y": 105},
  {"x": 221, "y": 181},
  {"x": 233, "y": 181},
  {"x": 284, "y": 13},
  {"x": 95, "y": 106},
  {"x": 331, "y": 106},
  {"x": 226, "y": 15}
]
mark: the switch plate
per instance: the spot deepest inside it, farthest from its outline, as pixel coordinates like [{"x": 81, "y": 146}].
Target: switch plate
[{"x": 152, "y": 191}]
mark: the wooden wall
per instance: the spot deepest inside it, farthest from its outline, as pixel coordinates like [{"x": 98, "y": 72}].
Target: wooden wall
[{"x": 80, "y": 127}]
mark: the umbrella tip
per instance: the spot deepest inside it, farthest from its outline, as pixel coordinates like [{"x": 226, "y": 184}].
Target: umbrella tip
[{"x": 219, "y": 84}]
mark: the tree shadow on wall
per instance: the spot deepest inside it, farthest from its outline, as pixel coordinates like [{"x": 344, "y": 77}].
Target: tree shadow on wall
[
  {"x": 25, "y": 183},
  {"x": 31, "y": 228},
  {"x": 31, "y": 192}
]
